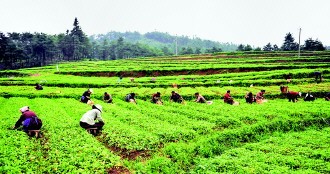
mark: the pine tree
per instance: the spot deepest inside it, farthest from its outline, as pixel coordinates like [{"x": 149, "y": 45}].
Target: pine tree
[
  {"x": 268, "y": 47},
  {"x": 289, "y": 44}
]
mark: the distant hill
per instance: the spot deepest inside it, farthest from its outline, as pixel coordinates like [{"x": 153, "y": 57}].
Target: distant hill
[{"x": 160, "y": 40}]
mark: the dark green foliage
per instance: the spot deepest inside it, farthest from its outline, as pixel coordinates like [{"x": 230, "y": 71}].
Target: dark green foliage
[
  {"x": 19, "y": 50},
  {"x": 268, "y": 47},
  {"x": 289, "y": 44},
  {"x": 213, "y": 50},
  {"x": 159, "y": 40},
  {"x": 313, "y": 45},
  {"x": 242, "y": 47}
]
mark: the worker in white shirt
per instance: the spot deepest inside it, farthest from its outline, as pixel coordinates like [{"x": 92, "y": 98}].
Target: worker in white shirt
[{"x": 87, "y": 121}]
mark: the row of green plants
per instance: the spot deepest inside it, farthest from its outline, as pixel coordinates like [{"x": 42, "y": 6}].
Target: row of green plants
[
  {"x": 162, "y": 71},
  {"x": 263, "y": 78},
  {"x": 318, "y": 90},
  {"x": 216, "y": 59},
  {"x": 64, "y": 147},
  {"x": 185, "y": 63},
  {"x": 293, "y": 152},
  {"x": 174, "y": 65},
  {"x": 281, "y": 117},
  {"x": 177, "y": 137}
]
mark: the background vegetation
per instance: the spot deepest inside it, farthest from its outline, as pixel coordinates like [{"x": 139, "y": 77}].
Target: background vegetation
[{"x": 20, "y": 50}]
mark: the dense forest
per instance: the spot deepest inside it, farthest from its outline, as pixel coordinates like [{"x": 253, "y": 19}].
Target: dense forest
[
  {"x": 164, "y": 42},
  {"x": 20, "y": 50}
]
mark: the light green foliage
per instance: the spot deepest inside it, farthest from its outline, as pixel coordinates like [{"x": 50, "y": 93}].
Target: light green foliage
[
  {"x": 302, "y": 152},
  {"x": 274, "y": 137},
  {"x": 65, "y": 147}
]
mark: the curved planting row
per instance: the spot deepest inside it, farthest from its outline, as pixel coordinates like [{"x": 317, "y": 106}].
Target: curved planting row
[
  {"x": 300, "y": 152},
  {"x": 64, "y": 148},
  {"x": 264, "y": 78},
  {"x": 191, "y": 156},
  {"x": 172, "y": 138},
  {"x": 319, "y": 90},
  {"x": 213, "y": 69}
]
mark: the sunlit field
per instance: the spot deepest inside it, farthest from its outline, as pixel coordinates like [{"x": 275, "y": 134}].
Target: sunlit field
[{"x": 273, "y": 137}]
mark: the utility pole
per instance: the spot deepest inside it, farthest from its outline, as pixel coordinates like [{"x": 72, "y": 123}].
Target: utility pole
[
  {"x": 176, "y": 45},
  {"x": 299, "y": 43}
]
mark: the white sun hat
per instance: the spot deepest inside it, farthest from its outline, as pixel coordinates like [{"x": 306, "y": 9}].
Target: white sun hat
[
  {"x": 24, "y": 109},
  {"x": 99, "y": 107}
]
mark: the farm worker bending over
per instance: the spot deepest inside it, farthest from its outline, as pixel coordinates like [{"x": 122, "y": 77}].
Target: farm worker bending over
[
  {"x": 107, "y": 98},
  {"x": 156, "y": 98},
  {"x": 227, "y": 98},
  {"x": 86, "y": 96},
  {"x": 175, "y": 97},
  {"x": 309, "y": 97},
  {"x": 260, "y": 97},
  {"x": 318, "y": 75},
  {"x": 249, "y": 98},
  {"x": 38, "y": 87},
  {"x": 130, "y": 98},
  {"x": 327, "y": 97},
  {"x": 199, "y": 98},
  {"x": 284, "y": 89},
  {"x": 88, "y": 119},
  {"x": 293, "y": 96},
  {"x": 28, "y": 119}
]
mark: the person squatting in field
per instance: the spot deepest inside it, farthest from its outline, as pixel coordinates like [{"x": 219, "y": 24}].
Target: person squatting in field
[
  {"x": 284, "y": 89},
  {"x": 107, "y": 98},
  {"x": 249, "y": 98},
  {"x": 227, "y": 98},
  {"x": 293, "y": 96},
  {"x": 327, "y": 96},
  {"x": 156, "y": 98},
  {"x": 201, "y": 99},
  {"x": 88, "y": 119},
  {"x": 130, "y": 98},
  {"x": 86, "y": 96},
  {"x": 28, "y": 119},
  {"x": 318, "y": 75},
  {"x": 175, "y": 97},
  {"x": 309, "y": 97},
  {"x": 38, "y": 87},
  {"x": 260, "y": 96}
]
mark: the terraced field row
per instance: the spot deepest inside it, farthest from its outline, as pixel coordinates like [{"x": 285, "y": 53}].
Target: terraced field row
[
  {"x": 274, "y": 137},
  {"x": 184, "y": 135}
]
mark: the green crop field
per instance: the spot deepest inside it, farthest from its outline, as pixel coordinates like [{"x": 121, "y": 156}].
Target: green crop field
[{"x": 274, "y": 137}]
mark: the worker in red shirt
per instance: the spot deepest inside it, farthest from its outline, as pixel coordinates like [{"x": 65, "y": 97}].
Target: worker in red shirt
[
  {"x": 227, "y": 98},
  {"x": 293, "y": 96},
  {"x": 260, "y": 97},
  {"x": 156, "y": 98},
  {"x": 29, "y": 120}
]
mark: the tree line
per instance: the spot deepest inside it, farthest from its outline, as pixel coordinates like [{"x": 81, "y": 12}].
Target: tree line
[
  {"x": 166, "y": 43},
  {"x": 21, "y": 50},
  {"x": 289, "y": 44}
]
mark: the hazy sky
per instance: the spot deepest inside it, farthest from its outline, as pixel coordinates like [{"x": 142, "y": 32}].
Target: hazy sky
[{"x": 254, "y": 22}]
